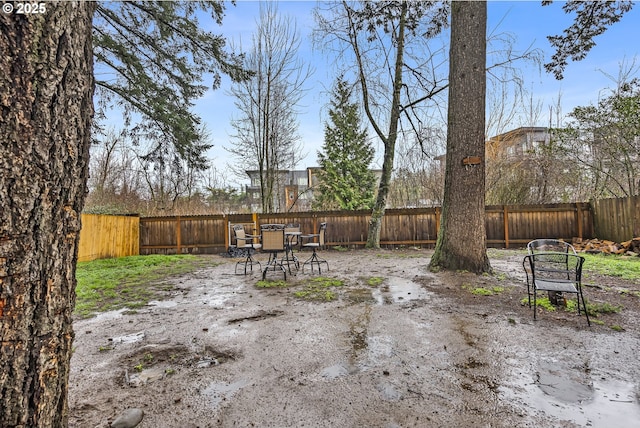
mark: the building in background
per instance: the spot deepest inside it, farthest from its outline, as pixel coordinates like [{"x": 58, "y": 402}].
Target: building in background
[{"x": 294, "y": 189}]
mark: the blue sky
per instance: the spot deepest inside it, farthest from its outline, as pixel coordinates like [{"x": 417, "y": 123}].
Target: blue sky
[{"x": 527, "y": 20}]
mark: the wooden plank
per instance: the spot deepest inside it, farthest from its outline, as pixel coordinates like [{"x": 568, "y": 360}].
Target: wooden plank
[{"x": 505, "y": 218}]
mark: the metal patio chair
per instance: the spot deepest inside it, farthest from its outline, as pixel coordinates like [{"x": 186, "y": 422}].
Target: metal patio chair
[
  {"x": 273, "y": 242},
  {"x": 247, "y": 243},
  {"x": 315, "y": 241},
  {"x": 550, "y": 246},
  {"x": 555, "y": 272}
]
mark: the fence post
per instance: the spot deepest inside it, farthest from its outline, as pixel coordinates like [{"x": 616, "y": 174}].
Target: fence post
[
  {"x": 505, "y": 220},
  {"x": 227, "y": 228},
  {"x": 579, "y": 219},
  {"x": 178, "y": 238},
  {"x": 635, "y": 226},
  {"x": 256, "y": 229}
]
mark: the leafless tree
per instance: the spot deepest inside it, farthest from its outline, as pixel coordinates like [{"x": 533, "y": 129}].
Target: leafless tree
[
  {"x": 383, "y": 45},
  {"x": 115, "y": 182},
  {"x": 267, "y": 137},
  {"x": 418, "y": 173}
]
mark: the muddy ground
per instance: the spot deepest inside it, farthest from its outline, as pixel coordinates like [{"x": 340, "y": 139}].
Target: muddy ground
[{"x": 417, "y": 350}]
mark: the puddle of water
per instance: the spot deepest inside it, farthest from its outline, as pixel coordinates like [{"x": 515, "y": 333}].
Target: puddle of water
[
  {"x": 128, "y": 338},
  {"x": 108, "y": 316},
  {"x": 334, "y": 372},
  {"x": 563, "y": 386},
  {"x": 218, "y": 298},
  {"x": 218, "y": 391},
  {"x": 163, "y": 303},
  {"x": 606, "y": 403},
  {"x": 145, "y": 376},
  {"x": 399, "y": 290}
]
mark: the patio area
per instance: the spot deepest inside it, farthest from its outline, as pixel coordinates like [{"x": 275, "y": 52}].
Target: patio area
[{"x": 377, "y": 341}]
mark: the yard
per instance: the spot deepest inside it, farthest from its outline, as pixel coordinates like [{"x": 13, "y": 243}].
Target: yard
[{"x": 377, "y": 341}]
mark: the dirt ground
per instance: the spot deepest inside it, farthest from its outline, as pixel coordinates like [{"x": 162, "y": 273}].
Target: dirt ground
[{"x": 417, "y": 350}]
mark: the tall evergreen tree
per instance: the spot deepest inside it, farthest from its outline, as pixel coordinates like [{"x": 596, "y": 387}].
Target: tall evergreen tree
[
  {"x": 46, "y": 82},
  {"x": 152, "y": 59},
  {"x": 461, "y": 243},
  {"x": 346, "y": 182}
]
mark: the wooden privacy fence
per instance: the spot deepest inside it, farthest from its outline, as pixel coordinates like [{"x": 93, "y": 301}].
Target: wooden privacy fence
[
  {"x": 507, "y": 226},
  {"x": 106, "y": 236},
  {"x": 617, "y": 219}
]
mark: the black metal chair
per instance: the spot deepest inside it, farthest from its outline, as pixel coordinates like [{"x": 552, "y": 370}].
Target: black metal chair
[
  {"x": 550, "y": 246},
  {"x": 273, "y": 242},
  {"x": 555, "y": 272},
  {"x": 247, "y": 243},
  {"x": 315, "y": 241}
]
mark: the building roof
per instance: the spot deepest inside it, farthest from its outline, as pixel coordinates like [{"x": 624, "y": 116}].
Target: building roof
[{"x": 514, "y": 133}]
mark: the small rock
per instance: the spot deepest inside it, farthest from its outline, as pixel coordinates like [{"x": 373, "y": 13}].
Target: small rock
[{"x": 128, "y": 419}]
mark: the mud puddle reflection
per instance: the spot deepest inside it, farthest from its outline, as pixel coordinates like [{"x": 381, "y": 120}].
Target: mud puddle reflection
[
  {"x": 557, "y": 391},
  {"x": 399, "y": 290}
]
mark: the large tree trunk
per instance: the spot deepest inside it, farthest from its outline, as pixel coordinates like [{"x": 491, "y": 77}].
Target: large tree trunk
[
  {"x": 461, "y": 243},
  {"x": 46, "y": 108}
]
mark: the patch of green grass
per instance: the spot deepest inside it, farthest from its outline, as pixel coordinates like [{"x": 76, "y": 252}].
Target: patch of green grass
[
  {"x": 316, "y": 295},
  {"x": 617, "y": 328},
  {"x": 484, "y": 291},
  {"x": 594, "y": 309},
  {"x": 340, "y": 248},
  {"x": 618, "y": 266},
  {"x": 541, "y": 302},
  {"x": 374, "y": 281},
  {"x": 319, "y": 289},
  {"x": 500, "y": 276},
  {"x": 626, "y": 292},
  {"x": 127, "y": 282},
  {"x": 268, "y": 283}
]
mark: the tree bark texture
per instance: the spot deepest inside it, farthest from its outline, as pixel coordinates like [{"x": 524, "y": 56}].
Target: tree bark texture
[
  {"x": 46, "y": 108},
  {"x": 461, "y": 243}
]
